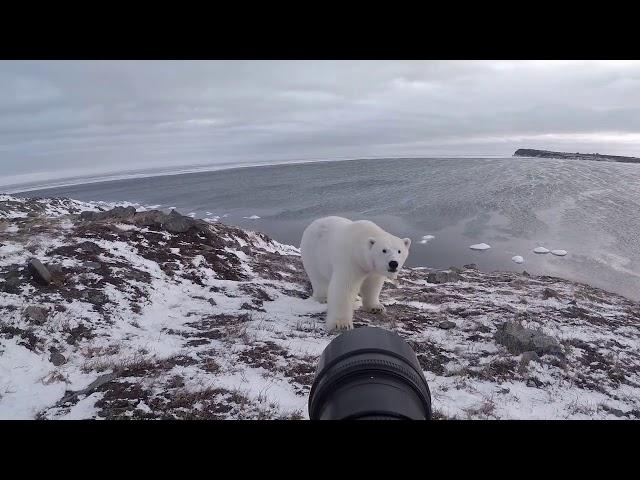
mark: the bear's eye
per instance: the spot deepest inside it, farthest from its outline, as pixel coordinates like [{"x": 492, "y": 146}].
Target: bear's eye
[
  {"x": 399, "y": 251},
  {"x": 384, "y": 250}
]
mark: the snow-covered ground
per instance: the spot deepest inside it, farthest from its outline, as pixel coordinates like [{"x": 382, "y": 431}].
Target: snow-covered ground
[{"x": 157, "y": 316}]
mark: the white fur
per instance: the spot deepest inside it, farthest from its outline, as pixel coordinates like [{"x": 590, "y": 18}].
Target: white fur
[{"x": 343, "y": 258}]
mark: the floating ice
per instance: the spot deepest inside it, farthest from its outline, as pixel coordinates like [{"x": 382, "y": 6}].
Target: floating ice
[
  {"x": 427, "y": 238},
  {"x": 560, "y": 253},
  {"x": 252, "y": 217},
  {"x": 541, "y": 250},
  {"x": 480, "y": 246},
  {"x": 517, "y": 259}
]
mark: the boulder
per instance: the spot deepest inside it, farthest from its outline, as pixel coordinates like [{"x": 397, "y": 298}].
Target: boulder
[
  {"x": 35, "y": 314},
  {"x": 549, "y": 293},
  {"x": 470, "y": 266},
  {"x": 446, "y": 325},
  {"x": 39, "y": 272},
  {"x": 177, "y": 223},
  {"x": 150, "y": 218},
  {"x": 528, "y": 357},
  {"x": 443, "y": 276},
  {"x": 57, "y": 359},
  {"x": 11, "y": 282},
  {"x": 89, "y": 247},
  {"x": 94, "y": 296},
  {"x": 116, "y": 213},
  {"x": 518, "y": 339}
]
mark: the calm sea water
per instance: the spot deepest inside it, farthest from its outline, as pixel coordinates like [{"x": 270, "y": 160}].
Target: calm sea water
[{"x": 590, "y": 209}]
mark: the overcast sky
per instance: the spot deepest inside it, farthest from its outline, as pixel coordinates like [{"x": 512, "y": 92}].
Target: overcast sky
[{"x": 69, "y": 118}]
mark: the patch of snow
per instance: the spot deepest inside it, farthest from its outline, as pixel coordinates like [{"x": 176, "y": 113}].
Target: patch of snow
[
  {"x": 125, "y": 227},
  {"x": 84, "y": 409}
]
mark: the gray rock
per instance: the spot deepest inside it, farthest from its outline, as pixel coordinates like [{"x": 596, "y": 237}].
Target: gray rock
[
  {"x": 89, "y": 247},
  {"x": 470, "y": 266},
  {"x": 101, "y": 380},
  {"x": 11, "y": 282},
  {"x": 544, "y": 344},
  {"x": 93, "y": 265},
  {"x": 443, "y": 276},
  {"x": 39, "y": 271},
  {"x": 614, "y": 411},
  {"x": 176, "y": 223},
  {"x": 57, "y": 359},
  {"x": 446, "y": 325},
  {"x": 116, "y": 213},
  {"x": 528, "y": 357},
  {"x": 171, "y": 266},
  {"x": 534, "y": 382},
  {"x": 525, "y": 273},
  {"x": 94, "y": 296},
  {"x": 150, "y": 218},
  {"x": 35, "y": 314},
  {"x": 518, "y": 340},
  {"x": 549, "y": 293}
]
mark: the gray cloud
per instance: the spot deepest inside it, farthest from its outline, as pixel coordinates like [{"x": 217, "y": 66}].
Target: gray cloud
[{"x": 68, "y": 118}]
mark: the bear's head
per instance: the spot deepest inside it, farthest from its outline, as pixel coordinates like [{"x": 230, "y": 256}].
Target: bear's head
[{"x": 387, "y": 255}]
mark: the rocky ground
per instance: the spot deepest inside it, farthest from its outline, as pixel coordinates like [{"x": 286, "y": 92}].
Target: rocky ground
[{"x": 148, "y": 315}]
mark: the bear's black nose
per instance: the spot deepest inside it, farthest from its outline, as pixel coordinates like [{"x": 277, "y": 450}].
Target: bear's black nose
[{"x": 393, "y": 264}]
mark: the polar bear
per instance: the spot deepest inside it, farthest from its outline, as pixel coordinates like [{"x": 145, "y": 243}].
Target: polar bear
[{"x": 343, "y": 257}]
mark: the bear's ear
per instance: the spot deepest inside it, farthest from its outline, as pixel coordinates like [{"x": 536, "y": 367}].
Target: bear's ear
[
  {"x": 407, "y": 242},
  {"x": 371, "y": 242}
]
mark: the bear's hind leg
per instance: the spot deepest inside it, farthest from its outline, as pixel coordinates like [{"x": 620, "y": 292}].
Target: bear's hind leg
[
  {"x": 319, "y": 284},
  {"x": 320, "y": 290}
]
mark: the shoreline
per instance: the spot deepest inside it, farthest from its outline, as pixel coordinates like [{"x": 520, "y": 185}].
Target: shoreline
[{"x": 151, "y": 315}]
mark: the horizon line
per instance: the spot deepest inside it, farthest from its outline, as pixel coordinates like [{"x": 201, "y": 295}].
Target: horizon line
[{"x": 15, "y": 188}]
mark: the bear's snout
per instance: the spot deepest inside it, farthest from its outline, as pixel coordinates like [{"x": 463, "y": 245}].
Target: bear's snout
[{"x": 393, "y": 266}]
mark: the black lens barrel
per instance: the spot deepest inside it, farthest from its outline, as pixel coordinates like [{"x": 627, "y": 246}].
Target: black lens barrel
[{"x": 369, "y": 373}]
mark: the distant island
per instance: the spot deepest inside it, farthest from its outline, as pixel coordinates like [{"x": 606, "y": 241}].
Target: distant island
[{"x": 528, "y": 152}]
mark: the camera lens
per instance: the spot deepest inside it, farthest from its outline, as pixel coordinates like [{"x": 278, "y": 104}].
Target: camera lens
[{"x": 369, "y": 374}]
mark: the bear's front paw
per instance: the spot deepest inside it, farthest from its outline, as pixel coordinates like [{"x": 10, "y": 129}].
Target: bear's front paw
[
  {"x": 344, "y": 326},
  {"x": 340, "y": 325},
  {"x": 379, "y": 308}
]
